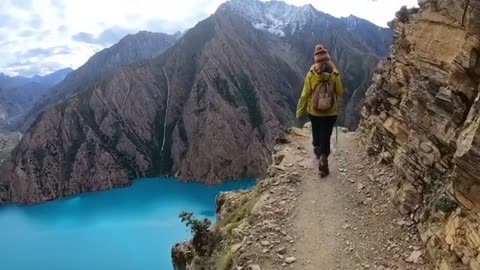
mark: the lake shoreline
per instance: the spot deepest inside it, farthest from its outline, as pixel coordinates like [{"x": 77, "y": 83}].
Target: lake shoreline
[{"x": 133, "y": 226}]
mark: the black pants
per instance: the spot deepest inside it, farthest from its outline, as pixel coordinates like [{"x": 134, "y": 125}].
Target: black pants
[{"x": 322, "y": 127}]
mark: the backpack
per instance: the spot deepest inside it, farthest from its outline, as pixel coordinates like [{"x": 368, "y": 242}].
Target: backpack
[{"x": 324, "y": 96}]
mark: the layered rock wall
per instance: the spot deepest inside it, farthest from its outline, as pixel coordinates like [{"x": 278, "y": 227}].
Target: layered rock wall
[{"x": 421, "y": 115}]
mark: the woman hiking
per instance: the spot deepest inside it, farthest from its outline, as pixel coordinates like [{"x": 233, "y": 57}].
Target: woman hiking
[{"x": 321, "y": 92}]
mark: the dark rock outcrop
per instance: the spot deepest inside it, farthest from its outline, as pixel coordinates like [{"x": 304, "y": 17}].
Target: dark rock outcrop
[{"x": 182, "y": 255}]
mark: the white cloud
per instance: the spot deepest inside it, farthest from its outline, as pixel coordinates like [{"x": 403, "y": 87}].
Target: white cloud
[
  {"x": 377, "y": 11},
  {"x": 26, "y": 25}
]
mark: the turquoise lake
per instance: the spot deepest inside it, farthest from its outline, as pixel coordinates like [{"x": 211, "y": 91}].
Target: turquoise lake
[{"x": 130, "y": 228}]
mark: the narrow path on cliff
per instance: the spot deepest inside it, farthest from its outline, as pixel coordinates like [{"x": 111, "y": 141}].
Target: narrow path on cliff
[
  {"x": 320, "y": 212},
  {"x": 299, "y": 221},
  {"x": 347, "y": 220}
]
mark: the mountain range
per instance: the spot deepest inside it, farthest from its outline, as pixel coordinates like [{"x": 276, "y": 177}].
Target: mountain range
[
  {"x": 208, "y": 108},
  {"x": 132, "y": 48},
  {"x": 18, "y": 93}
]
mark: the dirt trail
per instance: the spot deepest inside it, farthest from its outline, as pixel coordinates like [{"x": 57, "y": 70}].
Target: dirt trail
[
  {"x": 347, "y": 220},
  {"x": 319, "y": 215}
]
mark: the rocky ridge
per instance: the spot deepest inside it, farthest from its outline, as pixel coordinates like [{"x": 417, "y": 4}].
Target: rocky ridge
[{"x": 422, "y": 116}]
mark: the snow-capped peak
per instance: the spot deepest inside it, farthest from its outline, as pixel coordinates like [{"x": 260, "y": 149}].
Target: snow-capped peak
[
  {"x": 276, "y": 17},
  {"x": 351, "y": 22}
]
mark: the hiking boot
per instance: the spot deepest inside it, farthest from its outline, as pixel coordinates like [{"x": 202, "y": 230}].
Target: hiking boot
[
  {"x": 323, "y": 166},
  {"x": 316, "y": 151}
]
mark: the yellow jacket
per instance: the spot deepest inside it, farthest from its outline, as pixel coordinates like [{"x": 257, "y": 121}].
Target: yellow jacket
[{"x": 312, "y": 79}]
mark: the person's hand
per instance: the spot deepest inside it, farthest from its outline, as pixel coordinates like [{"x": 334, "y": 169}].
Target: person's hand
[{"x": 300, "y": 122}]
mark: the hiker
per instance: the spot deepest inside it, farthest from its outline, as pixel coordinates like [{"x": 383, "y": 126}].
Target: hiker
[{"x": 321, "y": 92}]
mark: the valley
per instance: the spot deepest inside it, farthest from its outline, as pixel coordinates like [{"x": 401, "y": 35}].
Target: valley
[
  {"x": 98, "y": 162},
  {"x": 225, "y": 74}
]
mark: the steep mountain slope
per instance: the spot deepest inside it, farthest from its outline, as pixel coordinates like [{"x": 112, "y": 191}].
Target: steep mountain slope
[
  {"x": 355, "y": 45},
  {"x": 376, "y": 38},
  {"x": 132, "y": 48},
  {"x": 422, "y": 116},
  {"x": 19, "y": 93},
  {"x": 208, "y": 108}
]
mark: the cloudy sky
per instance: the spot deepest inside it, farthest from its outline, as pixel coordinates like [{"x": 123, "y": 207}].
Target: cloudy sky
[{"x": 41, "y": 36}]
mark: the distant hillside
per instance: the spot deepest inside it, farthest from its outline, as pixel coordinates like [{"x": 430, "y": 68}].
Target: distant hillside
[
  {"x": 132, "y": 48},
  {"x": 18, "y": 93}
]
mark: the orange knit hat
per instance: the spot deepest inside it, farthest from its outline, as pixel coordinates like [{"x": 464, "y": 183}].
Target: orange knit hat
[{"x": 321, "y": 54}]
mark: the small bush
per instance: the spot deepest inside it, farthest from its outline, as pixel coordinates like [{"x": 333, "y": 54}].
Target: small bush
[
  {"x": 202, "y": 236},
  {"x": 444, "y": 203},
  {"x": 195, "y": 225}
]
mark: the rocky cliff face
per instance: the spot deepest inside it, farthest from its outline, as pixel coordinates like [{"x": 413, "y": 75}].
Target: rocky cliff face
[
  {"x": 422, "y": 115},
  {"x": 208, "y": 108}
]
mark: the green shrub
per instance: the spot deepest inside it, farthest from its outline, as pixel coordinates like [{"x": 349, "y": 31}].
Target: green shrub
[
  {"x": 202, "y": 236},
  {"x": 444, "y": 203}
]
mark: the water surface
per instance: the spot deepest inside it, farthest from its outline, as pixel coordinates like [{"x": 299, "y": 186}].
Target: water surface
[{"x": 130, "y": 228}]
